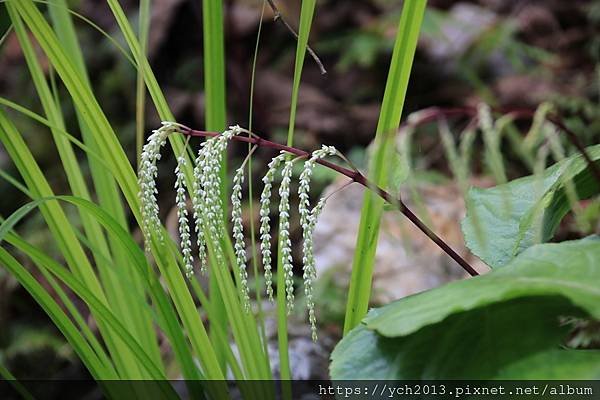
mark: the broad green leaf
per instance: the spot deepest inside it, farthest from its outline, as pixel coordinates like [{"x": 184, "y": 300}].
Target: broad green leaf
[
  {"x": 501, "y": 325},
  {"x": 469, "y": 346},
  {"x": 568, "y": 269},
  {"x": 536, "y": 206}
]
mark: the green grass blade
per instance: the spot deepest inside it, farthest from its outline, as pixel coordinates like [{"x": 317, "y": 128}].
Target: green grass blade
[
  {"x": 105, "y": 185},
  {"x": 101, "y": 311},
  {"x": 140, "y": 97},
  {"x": 214, "y": 65},
  {"x": 84, "y": 100},
  {"x": 122, "y": 298},
  {"x": 6, "y": 375},
  {"x": 306, "y": 16},
  {"x": 254, "y": 253},
  {"x": 167, "y": 317},
  {"x": 59, "y": 318},
  {"x": 215, "y": 111},
  {"x": 75, "y": 178},
  {"x": 389, "y": 119},
  {"x": 66, "y": 238},
  {"x": 178, "y": 147},
  {"x": 179, "y": 292},
  {"x": 39, "y": 187},
  {"x": 94, "y": 26},
  {"x": 36, "y": 117},
  {"x": 492, "y": 135},
  {"x": 405, "y": 147},
  {"x": 73, "y": 283},
  {"x": 111, "y": 150},
  {"x": 68, "y": 304}
]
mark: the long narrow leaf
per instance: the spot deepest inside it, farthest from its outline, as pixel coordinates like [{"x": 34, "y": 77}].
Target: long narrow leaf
[{"x": 389, "y": 119}]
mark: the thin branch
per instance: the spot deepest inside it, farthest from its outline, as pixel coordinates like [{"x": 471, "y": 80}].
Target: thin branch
[
  {"x": 357, "y": 177},
  {"x": 277, "y": 16}
]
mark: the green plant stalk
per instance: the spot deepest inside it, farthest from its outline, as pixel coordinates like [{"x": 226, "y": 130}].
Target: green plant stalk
[
  {"x": 140, "y": 89},
  {"x": 215, "y": 111},
  {"x": 389, "y": 120},
  {"x": 306, "y": 16},
  {"x": 260, "y": 314}
]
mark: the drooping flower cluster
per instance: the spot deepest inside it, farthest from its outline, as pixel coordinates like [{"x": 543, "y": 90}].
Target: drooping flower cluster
[
  {"x": 310, "y": 272},
  {"x": 308, "y": 220},
  {"x": 147, "y": 175},
  {"x": 265, "y": 228},
  {"x": 208, "y": 210},
  {"x": 238, "y": 235},
  {"x": 206, "y": 197},
  {"x": 182, "y": 217},
  {"x": 284, "y": 233}
]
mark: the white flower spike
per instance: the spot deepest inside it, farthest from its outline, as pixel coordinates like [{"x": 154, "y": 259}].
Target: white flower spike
[
  {"x": 265, "y": 228},
  {"x": 284, "y": 232},
  {"x": 238, "y": 235},
  {"x": 147, "y": 175},
  {"x": 308, "y": 221},
  {"x": 182, "y": 217},
  {"x": 207, "y": 202}
]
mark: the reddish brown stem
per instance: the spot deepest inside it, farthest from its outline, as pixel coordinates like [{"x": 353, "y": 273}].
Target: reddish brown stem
[{"x": 359, "y": 178}]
